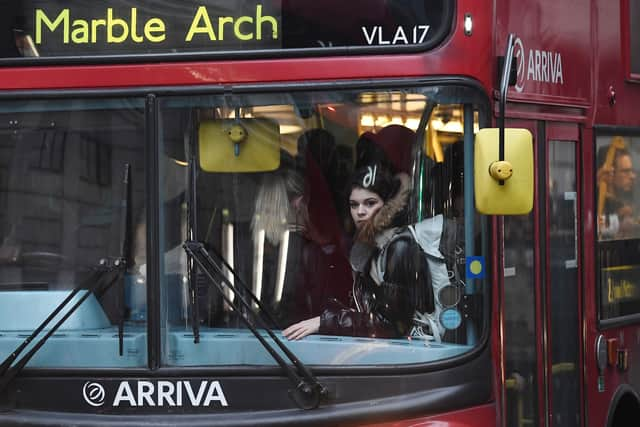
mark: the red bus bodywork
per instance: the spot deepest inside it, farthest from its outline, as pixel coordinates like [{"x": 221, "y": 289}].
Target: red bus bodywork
[{"x": 594, "y": 89}]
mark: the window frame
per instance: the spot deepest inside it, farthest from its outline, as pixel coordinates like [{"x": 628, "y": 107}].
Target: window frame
[
  {"x": 461, "y": 84},
  {"x": 618, "y": 321},
  {"x": 154, "y": 333},
  {"x": 626, "y": 44},
  {"x": 64, "y": 101}
]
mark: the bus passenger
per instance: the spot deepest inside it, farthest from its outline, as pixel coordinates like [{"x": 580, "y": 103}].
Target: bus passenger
[
  {"x": 297, "y": 206},
  {"x": 616, "y": 177},
  {"x": 386, "y": 270}
]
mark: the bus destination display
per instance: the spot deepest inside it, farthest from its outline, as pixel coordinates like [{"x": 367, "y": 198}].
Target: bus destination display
[{"x": 74, "y": 28}]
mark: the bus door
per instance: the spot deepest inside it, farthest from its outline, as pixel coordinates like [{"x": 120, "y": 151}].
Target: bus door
[
  {"x": 540, "y": 289},
  {"x": 560, "y": 279}
]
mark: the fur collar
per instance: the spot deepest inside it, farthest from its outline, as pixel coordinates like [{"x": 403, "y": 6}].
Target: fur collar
[{"x": 386, "y": 214}]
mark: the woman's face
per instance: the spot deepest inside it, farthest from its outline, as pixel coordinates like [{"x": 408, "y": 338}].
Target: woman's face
[{"x": 363, "y": 205}]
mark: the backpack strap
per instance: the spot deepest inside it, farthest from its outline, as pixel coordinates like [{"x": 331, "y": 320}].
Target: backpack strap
[{"x": 429, "y": 234}]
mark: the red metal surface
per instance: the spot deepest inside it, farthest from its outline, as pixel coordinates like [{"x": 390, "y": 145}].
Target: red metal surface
[
  {"x": 553, "y": 39},
  {"x": 590, "y": 39},
  {"x": 497, "y": 319},
  {"x": 585, "y": 36},
  {"x": 480, "y": 416},
  {"x": 451, "y": 58}
]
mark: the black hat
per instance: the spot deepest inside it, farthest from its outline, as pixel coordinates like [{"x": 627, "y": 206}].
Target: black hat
[{"x": 376, "y": 179}]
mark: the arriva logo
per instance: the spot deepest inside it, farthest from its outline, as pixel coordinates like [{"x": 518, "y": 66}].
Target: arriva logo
[
  {"x": 93, "y": 394},
  {"x": 160, "y": 393},
  {"x": 541, "y": 66}
]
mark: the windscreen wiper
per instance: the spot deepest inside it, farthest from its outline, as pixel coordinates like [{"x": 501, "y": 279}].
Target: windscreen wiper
[
  {"x": 308, "y": 391},
  {"x": 192, "y": 222},
  {"x": 104, "y": 275},
  {"x": 192, "y": 234},
  {"x": 264, "y": 310},
  {"x": 125, "y": 249}
]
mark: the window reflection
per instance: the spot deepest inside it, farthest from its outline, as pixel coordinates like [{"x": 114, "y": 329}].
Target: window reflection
[
  {"x": 63, "y": 204},
  {"x": 618, "y": 224}
]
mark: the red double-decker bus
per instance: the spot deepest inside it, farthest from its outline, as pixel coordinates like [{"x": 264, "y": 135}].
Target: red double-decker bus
[{"x": 180, "y": 239}]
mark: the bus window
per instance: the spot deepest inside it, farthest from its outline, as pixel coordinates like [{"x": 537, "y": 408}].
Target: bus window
[
  {"x": 62, "y": 208},
  {"x": 286, "y": 230},
  {"x": 618, "y": 199}
]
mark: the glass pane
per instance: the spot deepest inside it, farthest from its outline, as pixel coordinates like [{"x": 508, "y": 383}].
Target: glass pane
[
  {"x": 634, "y": 35},
  {"x": 308, "y": 198},
  {"x": 618, "y": 225},
  {"x": 62, "y": 167},
  {"x": 563, "y": 284},
  {"x": 520, "y": 322}
]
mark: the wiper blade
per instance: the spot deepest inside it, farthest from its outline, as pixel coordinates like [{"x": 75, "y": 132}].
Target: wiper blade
[
  {"x": 125, "y": 249},
  {"x": 8, "y": 370},
  {"x": 191, "y": 235},
  {"x": 308, "y": 391}
]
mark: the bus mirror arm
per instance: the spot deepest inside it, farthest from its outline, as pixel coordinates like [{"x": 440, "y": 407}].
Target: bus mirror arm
[
  {"x": 307, "y": 392},
  {"x": 504, "y": 168}
]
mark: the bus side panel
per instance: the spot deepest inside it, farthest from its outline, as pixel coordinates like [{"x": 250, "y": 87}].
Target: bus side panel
[
  {"x": 480, "y": 416},
  {"x": 615, "y": 108}
]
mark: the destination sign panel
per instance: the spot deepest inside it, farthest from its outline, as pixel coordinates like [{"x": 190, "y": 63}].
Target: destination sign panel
[{"x": 46, "y": 29}]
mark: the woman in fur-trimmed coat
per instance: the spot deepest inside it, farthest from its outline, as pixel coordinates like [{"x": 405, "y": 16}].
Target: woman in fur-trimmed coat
[{"x": 389, "y": 270}]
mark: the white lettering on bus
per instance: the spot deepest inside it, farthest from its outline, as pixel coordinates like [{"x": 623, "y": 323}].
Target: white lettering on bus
[
  {"x": 545, "y": 66},
  {"x": 541, "y": 66},
  {"x": 375, "y": 35},
  {"x": 166, "y": 393},
  {"x": 124, "y": 393}
]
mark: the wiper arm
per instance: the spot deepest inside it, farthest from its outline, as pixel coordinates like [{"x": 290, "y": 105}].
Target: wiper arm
[
  {"x": 308, "y": 391},
  {"x": 192, "y": 273},
  {"x": 116, "y": 266},
  {"x": 99, "y": 278},
  {"x": 245, "y": 287}
]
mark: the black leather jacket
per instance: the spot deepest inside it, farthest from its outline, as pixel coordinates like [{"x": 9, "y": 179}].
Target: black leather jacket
[{"x": 384, "y": 309}]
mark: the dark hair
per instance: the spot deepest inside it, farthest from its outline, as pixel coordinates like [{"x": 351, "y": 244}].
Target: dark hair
[
  {"x": 392, "y": 146},
  {"x": 377, "y": 179},
  {"x": 601, "y": 155},
  {"x": 319, "y": 146}
]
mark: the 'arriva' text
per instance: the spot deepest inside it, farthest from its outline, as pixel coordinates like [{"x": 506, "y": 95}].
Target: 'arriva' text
[{"x": 168, "y": 393}]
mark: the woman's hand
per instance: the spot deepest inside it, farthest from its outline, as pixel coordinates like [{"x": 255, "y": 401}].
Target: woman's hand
[{"x": 302, "y": 329}]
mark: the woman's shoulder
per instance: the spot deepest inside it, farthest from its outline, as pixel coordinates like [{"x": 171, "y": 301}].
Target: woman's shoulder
[
  {"x": 396, "y": 238},
  {"x": 389, "y": 236}
]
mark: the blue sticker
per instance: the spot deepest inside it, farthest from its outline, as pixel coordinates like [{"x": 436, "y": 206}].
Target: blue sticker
[
  {"x": 451, "y": 318},
  {"x": 475, "y": 267}
]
